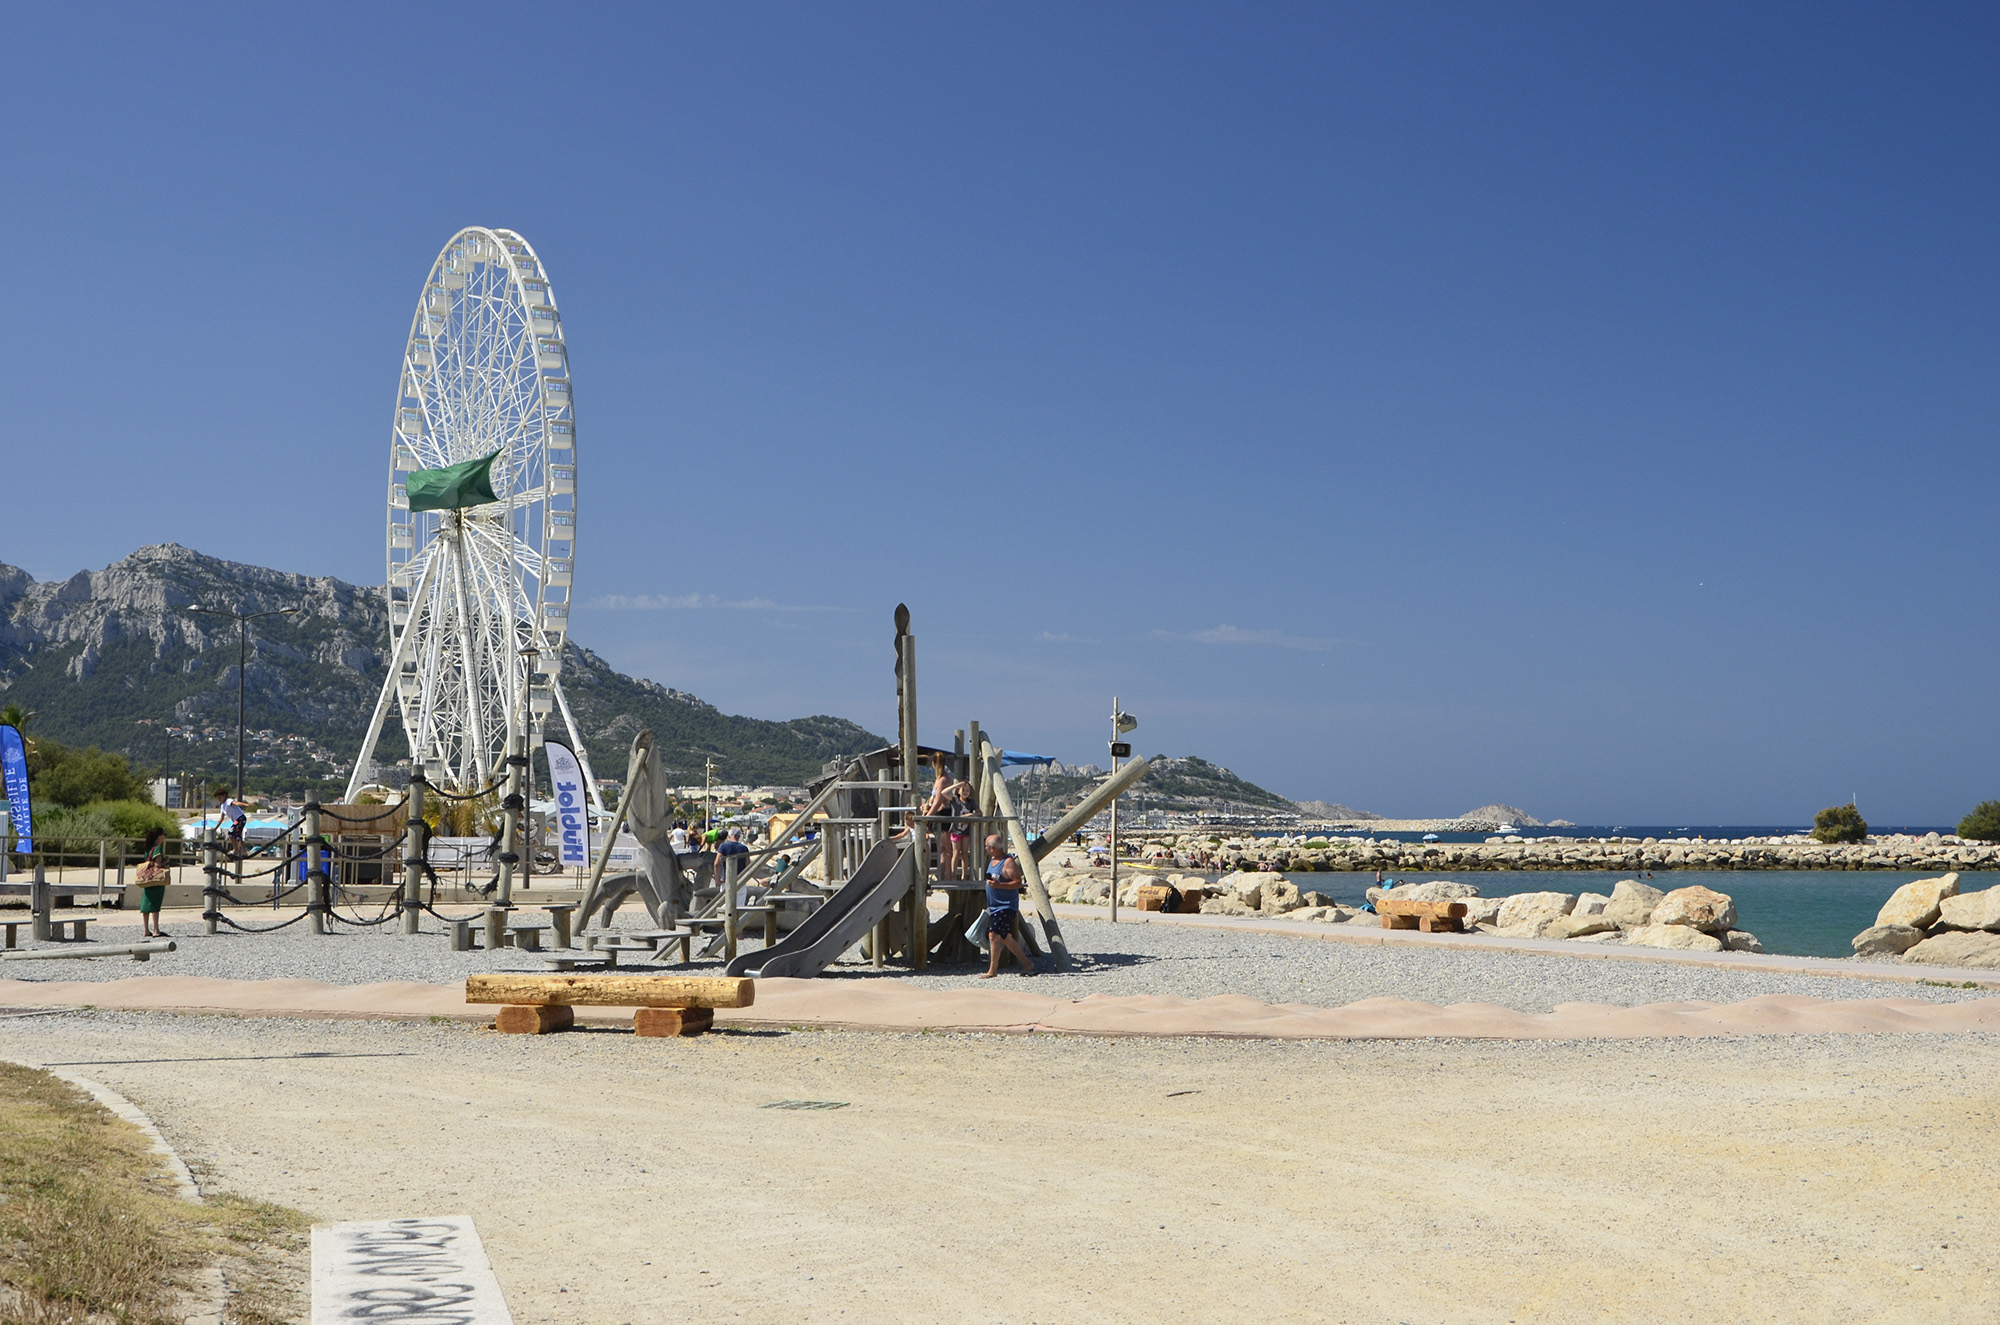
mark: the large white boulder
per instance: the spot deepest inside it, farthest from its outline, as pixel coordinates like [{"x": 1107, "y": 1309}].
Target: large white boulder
[
  {"x": 1438, "y": 890},
  {"x": 1980, "y": 910},
  {"x": 1278, "y": 896},
  {"x": 1224, "y": 905},
  {"x": 1533, "y": 908},
  {"x": 1697, "y": 908},
  {"x": 1632, "y": 903},
  {"x": 1683, "y": 937},
  {"x": 1483, "y": 910},
  {"x": 1576, "y": 925},
  {"x": 1887, "y": 940},
  {"x": 1247, "y": 887},
  {"x": 1590, "y": 904},
  {"x": 1918, "y": 903},
  {"x": 1957, "y": 948}
]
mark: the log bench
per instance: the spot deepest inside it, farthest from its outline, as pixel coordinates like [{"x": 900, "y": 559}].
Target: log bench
[
  {"x": 666, "y": 1004},
  {"x": 1429, "y": 917}
]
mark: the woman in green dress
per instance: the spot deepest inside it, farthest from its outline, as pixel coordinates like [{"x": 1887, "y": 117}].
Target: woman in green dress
[{"x": 153, "y": 882}]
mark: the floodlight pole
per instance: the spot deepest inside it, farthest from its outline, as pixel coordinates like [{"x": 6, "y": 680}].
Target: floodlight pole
[
  {"x": 243, "y": 620},
  {"x": 1121, "y": 722}
]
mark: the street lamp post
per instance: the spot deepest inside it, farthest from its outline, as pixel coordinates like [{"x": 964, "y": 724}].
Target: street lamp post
[
  {"x": 1121, "y": 722},
  {"x": 242, "y": 620}
]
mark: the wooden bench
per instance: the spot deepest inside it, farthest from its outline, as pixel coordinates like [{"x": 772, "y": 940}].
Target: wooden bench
[
  {"x": 79, "y": 929},
  {"x": 1429, "y": 917},
  {"x": 666, "y": 1004}
]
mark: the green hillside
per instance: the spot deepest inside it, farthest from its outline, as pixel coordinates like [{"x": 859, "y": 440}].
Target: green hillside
[{"x": 109, "y": 658}]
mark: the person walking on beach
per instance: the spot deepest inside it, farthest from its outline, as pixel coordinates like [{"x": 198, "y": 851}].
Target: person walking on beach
[
  {"x": 1003, "y": 915},
  {"x": 153, "y": 882}
]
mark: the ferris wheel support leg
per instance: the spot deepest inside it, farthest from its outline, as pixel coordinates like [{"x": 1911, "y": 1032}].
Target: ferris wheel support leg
[
  {"x": 576, "y": 740},
  {"x": 396, "y": 658},
  {"x": 475, "y": 745}
]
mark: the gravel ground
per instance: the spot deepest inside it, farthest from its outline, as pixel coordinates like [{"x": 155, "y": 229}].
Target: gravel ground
[
  {"x": 979, "y": 1178},
  {"x": 1110, "y": 959}
]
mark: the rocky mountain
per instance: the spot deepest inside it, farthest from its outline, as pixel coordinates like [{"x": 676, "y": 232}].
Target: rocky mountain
[
  {"x": 1188, "y": 785},
  {"x": 1502, "y": 814},
  {"x": 112, "y": 658},
  {"x": 1329, "y": 812}
]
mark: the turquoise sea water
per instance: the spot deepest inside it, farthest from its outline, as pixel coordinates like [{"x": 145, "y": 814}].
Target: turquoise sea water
[{"x": 1806, "y": 913}]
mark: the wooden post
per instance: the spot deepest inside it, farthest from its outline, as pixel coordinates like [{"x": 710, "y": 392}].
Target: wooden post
[
  {"x": 917, "y": 912},
  {"x": 729, "y": 921},
  {"x": 211, "y": 881},
  {"x": 1031, "y": 869},
  {"x": 415, "y": 832},
  {"x": 315, "y": 888},
  {"x": 101, "y": 849},
  {"x": 38, "y": 896}
]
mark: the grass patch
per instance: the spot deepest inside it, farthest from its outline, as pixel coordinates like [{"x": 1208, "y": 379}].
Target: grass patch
[{"x": 92, "y": 1230}]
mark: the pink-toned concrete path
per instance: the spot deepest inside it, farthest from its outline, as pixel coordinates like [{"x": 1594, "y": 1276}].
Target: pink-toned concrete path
[{"x": 891, "y": 1006}]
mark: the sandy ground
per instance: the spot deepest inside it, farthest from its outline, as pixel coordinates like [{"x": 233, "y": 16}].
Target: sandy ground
[{"x": 1798, "y": 1178}]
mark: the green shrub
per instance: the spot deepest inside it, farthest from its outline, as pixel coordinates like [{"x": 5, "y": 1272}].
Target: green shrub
[
  {"x": 133, "y": 818},
  {"x": 74, "y": 778},
  {"x": 1983, "y": 824},
  {"x": 1840, "y": 823}
]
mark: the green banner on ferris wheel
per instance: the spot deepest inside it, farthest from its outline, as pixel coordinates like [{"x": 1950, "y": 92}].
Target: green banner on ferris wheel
[{"x": 467, "y": 483}]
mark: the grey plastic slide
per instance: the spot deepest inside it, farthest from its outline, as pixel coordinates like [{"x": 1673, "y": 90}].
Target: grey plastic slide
[{"x": 841, "y": 921}]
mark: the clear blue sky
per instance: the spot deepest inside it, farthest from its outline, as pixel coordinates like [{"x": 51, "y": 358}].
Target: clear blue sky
[{"x": 1591, "y": 407}]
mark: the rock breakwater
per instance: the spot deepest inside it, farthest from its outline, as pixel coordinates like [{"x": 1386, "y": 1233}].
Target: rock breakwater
[{"x": 1299, "y": 854}]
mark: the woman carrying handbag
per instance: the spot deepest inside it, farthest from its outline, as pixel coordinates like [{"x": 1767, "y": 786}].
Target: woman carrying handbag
[{"x": 153, "y": 877}]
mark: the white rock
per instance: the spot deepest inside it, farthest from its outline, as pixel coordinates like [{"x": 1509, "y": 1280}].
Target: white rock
[
  {"x": 1522, "y": 908},
  {"x": 1887, "y": 940},
  {"x": 1980, "y": 910},
  {"x": 1632, "y": 903},
  {"x": 1483, "y": 910},
  {"x": 1590, "y": 904},
  {"x": 1737, "y": 940},
  {"x": 1957, "y": 948},
  {"x": 1918, "y": 903},
  {"x": 1697, "y": 908},
  {"x": 1439, "y": 890},
  {"x": 1684, "y": 937}
]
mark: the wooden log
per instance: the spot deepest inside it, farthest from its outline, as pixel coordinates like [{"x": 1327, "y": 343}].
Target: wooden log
[
  {"x": 672, "y": 1021},
  {"x": 1439, "y": 924},
  {"x": 1393, "y": 906},
  {"x": 596, "y": 989},
  {"x": 519, "y": 1019}
]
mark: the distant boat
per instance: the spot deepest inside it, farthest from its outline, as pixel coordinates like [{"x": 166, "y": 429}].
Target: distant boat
[{"x": 1506, "y": 828}]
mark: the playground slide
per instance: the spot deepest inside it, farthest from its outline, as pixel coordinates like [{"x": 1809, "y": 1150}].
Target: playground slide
[{"x": 841, "y": 921}]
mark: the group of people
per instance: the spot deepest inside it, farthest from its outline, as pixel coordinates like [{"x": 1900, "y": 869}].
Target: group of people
[{"x": 952, "y": 800}]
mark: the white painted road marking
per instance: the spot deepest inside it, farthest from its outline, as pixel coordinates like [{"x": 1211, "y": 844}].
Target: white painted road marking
[{"x": 429, "y": 1271}]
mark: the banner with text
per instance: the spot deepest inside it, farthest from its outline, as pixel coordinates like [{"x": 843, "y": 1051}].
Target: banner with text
[
  {"x": 566, "y": 777},
  {"x": 14, "y": 776}
]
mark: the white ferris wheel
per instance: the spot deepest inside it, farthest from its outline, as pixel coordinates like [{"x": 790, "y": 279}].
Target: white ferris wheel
[{"x": 479, "y": 586}]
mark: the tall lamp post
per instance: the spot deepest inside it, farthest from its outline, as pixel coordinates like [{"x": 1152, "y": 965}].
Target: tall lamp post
[
  {"x": 242, "y": 620},
  {"x": 1121, "y": 722}
]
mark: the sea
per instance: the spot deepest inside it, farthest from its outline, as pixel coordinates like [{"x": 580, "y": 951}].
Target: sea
[{"x": 1803, "y": 913}]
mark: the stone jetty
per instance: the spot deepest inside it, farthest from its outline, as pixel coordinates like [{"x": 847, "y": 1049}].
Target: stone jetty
[{"x": 1299, "y": 854}]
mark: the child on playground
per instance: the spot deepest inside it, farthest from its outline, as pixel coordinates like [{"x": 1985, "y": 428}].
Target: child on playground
[{"x": 1004, "y": 882}]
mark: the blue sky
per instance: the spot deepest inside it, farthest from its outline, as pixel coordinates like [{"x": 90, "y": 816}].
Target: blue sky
[{"x": 1414, "y": 406}]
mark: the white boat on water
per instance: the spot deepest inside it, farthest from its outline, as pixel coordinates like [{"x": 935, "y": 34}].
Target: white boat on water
[{"x": 1506, "y": 828}]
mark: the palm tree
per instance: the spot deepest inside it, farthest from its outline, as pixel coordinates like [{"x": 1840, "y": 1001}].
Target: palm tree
[{"x": 18, "y": 718}]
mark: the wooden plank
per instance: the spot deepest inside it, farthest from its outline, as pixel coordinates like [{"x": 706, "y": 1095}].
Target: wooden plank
[
  {"x": 593, "y": 989},
  {"x": 516, "y": 1019},
  {"x": 664, "y": 1022}
]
